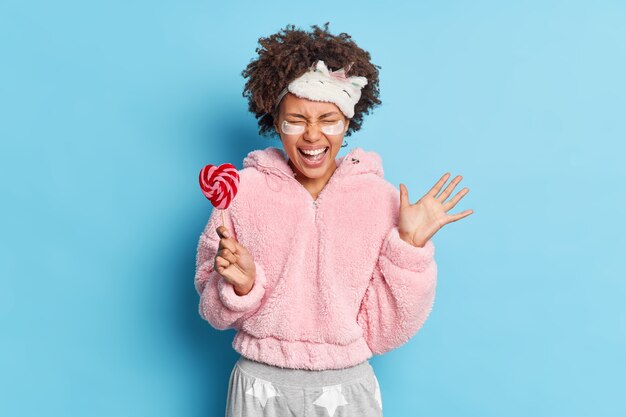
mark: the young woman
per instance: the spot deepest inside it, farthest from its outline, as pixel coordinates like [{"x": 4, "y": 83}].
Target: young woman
[{"x": 321, "y": 263}]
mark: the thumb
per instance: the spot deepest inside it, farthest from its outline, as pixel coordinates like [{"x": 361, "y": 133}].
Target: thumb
[
  {"x": 223, "y": 232},
  {"x": 404, "y": 196}
]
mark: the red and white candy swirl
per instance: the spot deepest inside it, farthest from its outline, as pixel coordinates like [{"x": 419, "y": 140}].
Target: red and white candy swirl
[{"x": 219, "y": 184}]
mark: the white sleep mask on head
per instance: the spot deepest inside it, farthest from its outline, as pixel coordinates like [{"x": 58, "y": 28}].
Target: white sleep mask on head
[{"x": 320, "y": 84}]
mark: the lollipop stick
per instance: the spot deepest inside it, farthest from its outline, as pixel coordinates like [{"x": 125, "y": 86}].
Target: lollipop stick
[{"x": 222, "y": 217}]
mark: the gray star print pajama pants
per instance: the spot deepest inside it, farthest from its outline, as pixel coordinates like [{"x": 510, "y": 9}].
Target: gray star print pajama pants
[{"x": 257, "y": 389}]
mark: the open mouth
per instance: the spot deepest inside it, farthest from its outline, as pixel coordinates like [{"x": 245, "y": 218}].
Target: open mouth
[{"x": 314, "y": 156}]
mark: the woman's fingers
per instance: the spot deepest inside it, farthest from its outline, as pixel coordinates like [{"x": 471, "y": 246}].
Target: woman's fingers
[
  {"x": 226, "y": 243},
  {"x": 224, "y": 259},
  {"x": 221, "y": 264},
  {"x": 458, "y": 216},
  {"x": 404, "y": 196},
  {"x": 450, "y": 204},
  {"x": 223, "y": 232},
  {"x": 228, "y": 255},
  {"x": 449, "y": 188},
  {"x": 437, "y": 187}
]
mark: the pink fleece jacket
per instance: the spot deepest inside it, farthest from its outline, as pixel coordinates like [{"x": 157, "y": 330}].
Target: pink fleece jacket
[{"x": 335, "y": 282}]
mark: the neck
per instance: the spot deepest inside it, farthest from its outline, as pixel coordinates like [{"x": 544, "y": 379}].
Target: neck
[{"x": 313, "y": 185}]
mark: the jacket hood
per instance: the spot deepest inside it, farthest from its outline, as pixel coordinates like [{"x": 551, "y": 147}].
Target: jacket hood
[{"x": 272, "y": 160}]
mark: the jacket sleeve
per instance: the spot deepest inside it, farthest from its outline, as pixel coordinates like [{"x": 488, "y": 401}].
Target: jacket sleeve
[
  {"x": 400, "y": 294},
  {"x": 219, "y": 304}
]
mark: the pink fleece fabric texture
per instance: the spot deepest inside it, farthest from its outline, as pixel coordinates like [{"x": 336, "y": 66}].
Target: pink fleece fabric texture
[{"x": 335, "y": 282}]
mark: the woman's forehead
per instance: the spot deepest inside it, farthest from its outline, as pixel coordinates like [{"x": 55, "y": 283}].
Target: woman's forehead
[{"x": 306, "y": 107}]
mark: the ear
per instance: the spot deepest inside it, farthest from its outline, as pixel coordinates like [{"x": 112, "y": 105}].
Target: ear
[
  {"x": 347, "y": 125},
  {"x": 275, "y": 122},
  {"x": 275, "y": 117},
  {"x": 276, "y": 127}
]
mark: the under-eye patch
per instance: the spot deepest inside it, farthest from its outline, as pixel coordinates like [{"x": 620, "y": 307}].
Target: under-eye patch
[
  {"x": 291, "y": 128},
  {"x": 333, "y": 129},
  {"x": 296, "y": 129}
]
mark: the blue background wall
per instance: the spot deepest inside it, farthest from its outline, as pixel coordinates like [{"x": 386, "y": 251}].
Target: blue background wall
[{"x": 109, "y": 109}]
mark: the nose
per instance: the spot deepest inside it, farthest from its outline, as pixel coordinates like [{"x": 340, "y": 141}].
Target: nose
[{"x": 312, "y": 133}]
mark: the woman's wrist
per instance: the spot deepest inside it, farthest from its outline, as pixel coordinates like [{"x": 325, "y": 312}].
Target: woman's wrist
[
  {"x": 407, "y": 238},
  {"x": 241, "y": 291}
]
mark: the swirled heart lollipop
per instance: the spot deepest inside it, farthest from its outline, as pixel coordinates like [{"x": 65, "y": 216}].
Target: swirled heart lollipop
[{"x": 219, "y": 184}]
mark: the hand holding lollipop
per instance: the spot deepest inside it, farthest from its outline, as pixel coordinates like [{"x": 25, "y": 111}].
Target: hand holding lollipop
[{"x": 233, "y": 261}]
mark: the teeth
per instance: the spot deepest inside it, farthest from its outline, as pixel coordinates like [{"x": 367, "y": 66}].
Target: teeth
[{"x": 316, "y": 152}]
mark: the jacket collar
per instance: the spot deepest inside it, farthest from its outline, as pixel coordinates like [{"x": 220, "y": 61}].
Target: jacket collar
[{"x": 272, "y": 160}]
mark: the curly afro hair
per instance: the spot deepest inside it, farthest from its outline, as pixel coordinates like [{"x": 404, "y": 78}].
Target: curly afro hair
[{"x": 287, "y": 54}]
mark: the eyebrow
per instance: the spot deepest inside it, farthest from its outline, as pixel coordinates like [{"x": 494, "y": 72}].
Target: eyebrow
[{"x": 301, "y": 116}]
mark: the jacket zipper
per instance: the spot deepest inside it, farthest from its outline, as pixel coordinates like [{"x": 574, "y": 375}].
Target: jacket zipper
[
  {"x": 332, "y": 179},
  {"x": 314, "y": 202}
]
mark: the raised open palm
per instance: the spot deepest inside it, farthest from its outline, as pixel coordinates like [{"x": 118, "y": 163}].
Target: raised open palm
[{"x": 420, "y": 221}]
